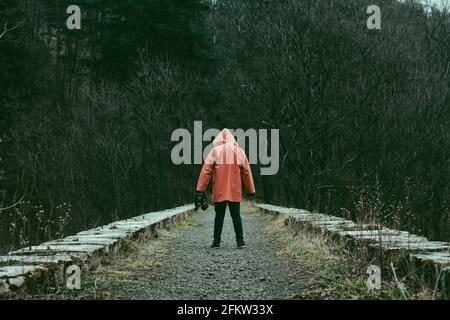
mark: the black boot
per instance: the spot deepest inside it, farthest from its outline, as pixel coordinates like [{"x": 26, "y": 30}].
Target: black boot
[
  {"x": 241, "y": 244},
  {"x": 215, "y": 244}
]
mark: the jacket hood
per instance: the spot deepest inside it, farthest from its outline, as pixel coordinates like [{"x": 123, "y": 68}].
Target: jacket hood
[{"x": 224, "y": 136}]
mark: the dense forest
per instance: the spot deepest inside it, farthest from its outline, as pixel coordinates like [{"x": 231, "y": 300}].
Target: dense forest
[{"x": 86, "y": 115}]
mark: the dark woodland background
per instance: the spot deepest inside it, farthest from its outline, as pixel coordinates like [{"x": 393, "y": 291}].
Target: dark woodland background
[{"x": 86, "y": 116}]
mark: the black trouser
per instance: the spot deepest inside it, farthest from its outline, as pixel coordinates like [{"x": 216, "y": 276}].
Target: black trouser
[{"x": 235, "y": 215}]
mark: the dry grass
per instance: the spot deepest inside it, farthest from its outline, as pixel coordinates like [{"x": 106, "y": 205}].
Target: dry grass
[{"x": 312, "y": 249}]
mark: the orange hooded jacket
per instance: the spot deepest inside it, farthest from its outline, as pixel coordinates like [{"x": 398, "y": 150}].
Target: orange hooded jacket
[{"x": 227, "y": 166}]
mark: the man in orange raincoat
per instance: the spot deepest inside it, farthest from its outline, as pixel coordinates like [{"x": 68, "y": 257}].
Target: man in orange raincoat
[{"x": 227, "y": 167}]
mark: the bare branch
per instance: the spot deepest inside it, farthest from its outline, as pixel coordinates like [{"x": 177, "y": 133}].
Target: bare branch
[
  {"x": 6, "y": 29},
  {"x": 13, "y": 205}
]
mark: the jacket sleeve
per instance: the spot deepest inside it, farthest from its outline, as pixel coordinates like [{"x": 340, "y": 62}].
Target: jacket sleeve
[
  {"x": 206, "y": 173},
  {"x": 246, "y": 174}
]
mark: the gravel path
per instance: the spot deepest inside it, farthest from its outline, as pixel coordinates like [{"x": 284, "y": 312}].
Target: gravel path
[{"x": 187, "y": 268}]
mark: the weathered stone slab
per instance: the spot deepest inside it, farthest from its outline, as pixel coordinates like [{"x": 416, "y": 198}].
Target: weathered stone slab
[
  {"x": 384, "y": 236},
  {"x": 368, "y": 233},
  {"x": 317, "y": 218},
  {"x": 82, "y": 240},
  {"x": 128, "y": 225},
  {"x": 269, "y": 207},
  {"x": 86, "y": 248},
  {"x": 394, "y": 240},
  {"x": 418, "y": 246},
  {"x": 435, "y": 257},
  {"x": 332, "y": 223},
  {"x": 115, "y": 233},
  {"x": 341, "y": 225},
  {"x": 326, "y": 222},
  {"x": 15, "y": 271},
  {"x": 35, "y": 259}
]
